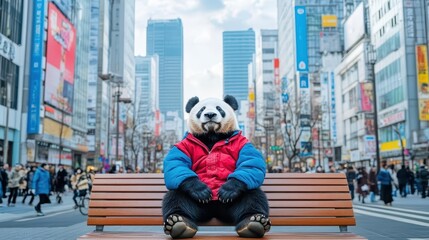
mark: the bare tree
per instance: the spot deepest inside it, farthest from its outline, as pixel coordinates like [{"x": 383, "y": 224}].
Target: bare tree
[{"x": 294, "y": 129}]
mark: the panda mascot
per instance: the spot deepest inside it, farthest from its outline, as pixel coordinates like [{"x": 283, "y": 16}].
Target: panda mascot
[{"x": 214, "y": 172}]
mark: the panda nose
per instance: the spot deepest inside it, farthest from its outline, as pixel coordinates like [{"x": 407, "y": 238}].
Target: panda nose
[{"x": 210, "y": 115}]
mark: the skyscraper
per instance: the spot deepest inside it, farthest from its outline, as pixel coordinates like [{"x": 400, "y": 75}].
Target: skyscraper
[
  {"x": 238, "y": 50},
  {"x": 165, "y": 38}
]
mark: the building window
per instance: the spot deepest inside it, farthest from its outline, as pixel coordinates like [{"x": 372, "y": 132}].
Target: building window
[
  {"x": 11, "y": 19},
  {"x": 268, "y": 50},
  {"x": 9, "y": 72}
]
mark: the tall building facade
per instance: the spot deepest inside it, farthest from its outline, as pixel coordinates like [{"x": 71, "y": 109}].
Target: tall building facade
[
  {"x": 13, "y": 39},
  {"x": 238, "y": 51},
  {"x": 399, "y": 34},
  {"x": 165, "y": 39},
  {"x": 146, "y": 91}
]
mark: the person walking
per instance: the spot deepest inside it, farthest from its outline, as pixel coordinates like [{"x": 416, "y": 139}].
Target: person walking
[
  {"x": 14, "y": 179},
  {"x": 362, "y": 184},
  {"x": 395, "y": 183},
  {"x": 30, "y": 176},
  {"x": 60, "y": 180},
  {"x": 424, "y": 177},
  {"x": 402, "y": 176},
  {"x": 5, "y": 178},
  {"x": 41, "y": 185},
  {"x": 351, "y": 178},
  {"x": 386, "y": 185},
  {"x": 372, "y": 182}
]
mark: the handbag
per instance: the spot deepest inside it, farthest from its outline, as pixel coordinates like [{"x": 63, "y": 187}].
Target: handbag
[{"x": 364, "y": 187}]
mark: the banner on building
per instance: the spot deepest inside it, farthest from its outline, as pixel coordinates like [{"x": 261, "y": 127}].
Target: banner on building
[
  {"x": 422, "y": 81},
  {"x": 333, "y": 110},
  {"x": 301, "y": 39},
  {"x": 35, "y": 81},
  {"x": 367, "y": 97},
  {"x": 60, "y": 60},
  {"x": 329, "y": 21}
]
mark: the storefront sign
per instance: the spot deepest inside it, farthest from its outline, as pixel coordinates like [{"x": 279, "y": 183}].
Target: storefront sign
[{"x": 391, "y": 119}]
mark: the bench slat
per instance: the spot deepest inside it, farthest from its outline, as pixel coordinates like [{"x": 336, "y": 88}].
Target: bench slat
[
  {"x": 219, "y": 235},
  {"x": 275, "y": 221},
  {"x": 273, "y": 181},
  {"x": 271, "y": 188},
  {"x": 281, "y": 212},
  {"x": 273, "y": 204},
  {"x": 272, "y": 196}
]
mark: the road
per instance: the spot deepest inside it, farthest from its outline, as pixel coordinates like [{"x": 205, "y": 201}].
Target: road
[{"x": 407, "y": 219}]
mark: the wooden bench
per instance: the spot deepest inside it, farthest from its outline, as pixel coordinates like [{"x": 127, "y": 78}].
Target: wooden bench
[{"x": 295, "y": 199}]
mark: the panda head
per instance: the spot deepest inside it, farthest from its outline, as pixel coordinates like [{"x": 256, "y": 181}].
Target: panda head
[{"x": 212, "y": 115}]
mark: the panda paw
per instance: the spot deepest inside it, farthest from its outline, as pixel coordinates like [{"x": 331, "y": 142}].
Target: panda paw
[
  {"x": 231, "y": 190},
  {"x": 254, "y": 227},
  {"x": 198, "y": 190},
  {"x": 178, "y": 227}
]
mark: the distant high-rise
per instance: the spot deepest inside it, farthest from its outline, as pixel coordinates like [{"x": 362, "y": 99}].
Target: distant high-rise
[
  {"x": 238, "y": 50},
  {"x": 165, "y": 38}
]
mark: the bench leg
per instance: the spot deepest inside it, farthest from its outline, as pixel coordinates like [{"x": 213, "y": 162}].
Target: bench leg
[
  {"x": 343, "y": 228},
  {"x": 99, "y": 228}
]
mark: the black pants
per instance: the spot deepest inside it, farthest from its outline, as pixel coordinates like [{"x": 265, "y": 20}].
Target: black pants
[
  {"x": 12, "y": 195},
  {"x": 386, "y": 193},
  {"x": 43, "y": 198},
  {"x": 250, "y": 203},
  {"x": 425, "y": 192},
  {"x": 26, "y": 195},
  {"x": 403, "y": 189},
  {"x": 352, "y": 190}
]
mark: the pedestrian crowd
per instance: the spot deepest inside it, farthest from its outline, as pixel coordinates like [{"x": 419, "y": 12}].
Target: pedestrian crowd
[{"x": 44, "y": 181}]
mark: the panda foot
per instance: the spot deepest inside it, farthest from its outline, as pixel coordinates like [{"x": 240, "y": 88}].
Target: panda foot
[
  {"x": 254, "y": 227},
  {"x": 178, "y": 227}
]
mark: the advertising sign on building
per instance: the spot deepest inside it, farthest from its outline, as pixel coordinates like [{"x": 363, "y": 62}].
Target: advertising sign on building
[
  {"x": 35, "y": 81},
  {"x": 329, "y": 21},
  {"x": 367, "y": 97},
  {"x": 301, "y": 39},
  {"x": 422, "y": 81},
  {"x": 60, "y": 60},
  {"x": 333, "y": 110}
]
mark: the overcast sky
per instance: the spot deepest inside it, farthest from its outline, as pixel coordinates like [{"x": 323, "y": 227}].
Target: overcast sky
[{"x": 203, "y": 23}]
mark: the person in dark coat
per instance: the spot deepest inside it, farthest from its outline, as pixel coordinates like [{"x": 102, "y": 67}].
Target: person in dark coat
[
  {"x": 362, "y": 184},
  {"x": 351, "y": 178},
  {"x": 30, "y": 175},
  {"x": 60, "y": 181},
  {"x": 402, "y": 181},
  {"x": 372, "y": 182},
  {"x": 424, "y": 177},
  {"x": 4, "y": 179},
  {"x": 42, "y": 186}
]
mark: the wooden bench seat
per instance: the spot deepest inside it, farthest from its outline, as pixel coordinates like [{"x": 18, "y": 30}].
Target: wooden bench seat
[{"x": 295, "y": 199}]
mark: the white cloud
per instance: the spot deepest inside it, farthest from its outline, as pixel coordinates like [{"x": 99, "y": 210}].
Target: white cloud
[{"x": 203, "y": 24}]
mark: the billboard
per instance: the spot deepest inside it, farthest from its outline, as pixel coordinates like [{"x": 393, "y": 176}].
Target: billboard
[
  {"x": 60, "y": 60},
  {"x": 333, "y": 110},
  {"x": 35, "y": 81},
  {"x": 422, "y": 81},
  {"x": 367, "y": 97},
  {"x": 301, "y": 39},
  {"x": 354, "y": 27}
]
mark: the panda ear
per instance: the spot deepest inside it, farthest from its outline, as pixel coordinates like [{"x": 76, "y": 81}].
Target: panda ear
[
  {"x": 231, "y": 101},
  {"x": 191, "y": 103}
]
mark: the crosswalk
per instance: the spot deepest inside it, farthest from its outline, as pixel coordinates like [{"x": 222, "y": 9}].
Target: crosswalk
[{"x": 420, "y": 218}]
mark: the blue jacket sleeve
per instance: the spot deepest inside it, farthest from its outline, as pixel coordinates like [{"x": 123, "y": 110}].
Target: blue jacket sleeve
[
  {"x": 35, "y": 179},
  {"x": 251, "y": 167},
  {"x": 177, "y": 168}
]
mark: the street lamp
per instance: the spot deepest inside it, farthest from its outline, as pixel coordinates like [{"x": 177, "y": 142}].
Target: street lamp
[{"x": 372, "y": 59}]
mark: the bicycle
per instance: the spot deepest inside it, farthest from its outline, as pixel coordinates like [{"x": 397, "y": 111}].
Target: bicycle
[{"x": 84, "y": 204}]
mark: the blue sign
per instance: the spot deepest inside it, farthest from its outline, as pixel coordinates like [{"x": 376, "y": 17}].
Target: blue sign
[
  {"x": 303, "y": 81},
  {"x": 35, "y": 82},
  {"x": 301, "y": 39},
  {"x": 285, "y": 97}
]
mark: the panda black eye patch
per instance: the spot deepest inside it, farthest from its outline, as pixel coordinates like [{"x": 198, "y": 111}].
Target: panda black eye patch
[
  {"x": 200, "y": 112},
  {"x": 221, "y": 111}
]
